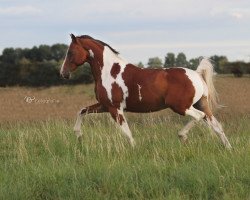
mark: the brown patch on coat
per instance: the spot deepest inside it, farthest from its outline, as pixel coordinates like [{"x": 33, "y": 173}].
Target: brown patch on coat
[
  {"x": 153, "y": 85},
  {"x": 116, "y": 94},
  {"x": 102, "y": 95},
  {"x": 180, "y": 92},
  {"x": 116, "y": 68},
  {"x": 97, "y": 61}
]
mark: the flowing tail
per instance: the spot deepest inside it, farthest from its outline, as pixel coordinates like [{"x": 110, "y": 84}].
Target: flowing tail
[{"x": 206, "y": 70}]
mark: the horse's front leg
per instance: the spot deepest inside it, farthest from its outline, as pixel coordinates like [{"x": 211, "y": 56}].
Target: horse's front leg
[
  {"x": 96, "y": 108},
  {"x": 118, "y": 116}
]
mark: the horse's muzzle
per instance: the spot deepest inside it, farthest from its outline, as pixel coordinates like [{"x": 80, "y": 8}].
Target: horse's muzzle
[{"x": 65, "y": 75}]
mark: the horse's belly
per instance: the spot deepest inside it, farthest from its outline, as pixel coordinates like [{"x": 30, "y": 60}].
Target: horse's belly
[{"x": 145, "y": 106}]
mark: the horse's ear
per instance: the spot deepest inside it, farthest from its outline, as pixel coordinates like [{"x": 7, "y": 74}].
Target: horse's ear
[{"x": 73, "y": 37}]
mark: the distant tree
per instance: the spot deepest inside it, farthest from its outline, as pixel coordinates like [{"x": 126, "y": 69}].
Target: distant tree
[
  {"x": 238, "y": 68},
  {"x": 58, "y": 51},
  {"x": 248, "y": 69},
  {"x": 154, "y": 62},
  {"x": 9, "y": 68},
  {"x": 44, "y": 53},
  {"x": 219, "y": 63},
  {"x": 181, "y": 60},
  {"x": 9, "y": 56},
  {"x": 193, "y": 63},
  {"x": 140, "y": 64},
  {"x": 236, "y": 71},
  {"x": 169, "y": 60}
]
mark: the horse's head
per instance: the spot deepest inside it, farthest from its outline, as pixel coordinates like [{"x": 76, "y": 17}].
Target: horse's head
[{"x": 76, "y": 56}]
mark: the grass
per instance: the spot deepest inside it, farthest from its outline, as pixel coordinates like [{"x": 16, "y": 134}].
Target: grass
[
  {"x": 45, "y": 161},
  {"x": 40, "y": 157}
]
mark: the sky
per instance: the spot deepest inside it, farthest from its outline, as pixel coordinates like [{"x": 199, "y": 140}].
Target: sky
[{"x": 138, "y": 29}]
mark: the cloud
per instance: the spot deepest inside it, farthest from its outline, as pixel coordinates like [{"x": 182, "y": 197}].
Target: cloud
[
  {"x": 232, "y": 10},
  {"x": 20, "y": 10},
  {"x": 209, "y": 44},
  {"x": 145, "y": 27}
]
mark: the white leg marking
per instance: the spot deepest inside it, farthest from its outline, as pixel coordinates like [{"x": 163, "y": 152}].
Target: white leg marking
[
  {"x": 216, "y": 126},
  {"x": 184, "y": 131},
  {"x": 125, "y": 128},
  {"x": 197, "y": 114},
  {"x": 139, "y": 90},
  {"x": 77, "y": 127}
]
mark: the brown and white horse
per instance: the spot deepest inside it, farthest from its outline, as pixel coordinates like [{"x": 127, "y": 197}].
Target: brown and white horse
[{"x": 121, "y": 86}]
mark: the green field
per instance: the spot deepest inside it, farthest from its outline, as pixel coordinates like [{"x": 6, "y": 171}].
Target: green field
[{"x": 42, "y": 159}]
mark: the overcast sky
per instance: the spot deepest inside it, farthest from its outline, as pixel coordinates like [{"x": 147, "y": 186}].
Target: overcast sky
[{"x": 138, "y": 29}]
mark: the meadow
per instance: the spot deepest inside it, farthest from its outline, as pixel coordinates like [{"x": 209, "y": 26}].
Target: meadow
[{"x": 40, "y": 157}]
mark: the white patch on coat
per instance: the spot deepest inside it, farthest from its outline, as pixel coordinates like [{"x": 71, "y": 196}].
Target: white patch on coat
[
  {"x": 62, "y": 67},
  {"x": 91, "y": 53},
  {"x": 109, "y": 58},
  {"x": 139, "y": 90},
  {"x": 198, "y": 84}
]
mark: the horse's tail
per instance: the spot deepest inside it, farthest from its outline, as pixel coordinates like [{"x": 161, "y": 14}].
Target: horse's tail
[{"x": 206, "y": 70}]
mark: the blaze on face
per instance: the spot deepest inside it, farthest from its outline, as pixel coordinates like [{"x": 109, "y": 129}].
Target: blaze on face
[{"x": 76, "y": 56}]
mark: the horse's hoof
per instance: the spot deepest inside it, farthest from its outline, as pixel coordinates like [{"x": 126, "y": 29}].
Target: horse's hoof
[
  {"x": 183, "y": 139},
  {"x": 79, "y": 138},
  {"x": 228, "y": 146},
  {"x": 132, "y": 142}
]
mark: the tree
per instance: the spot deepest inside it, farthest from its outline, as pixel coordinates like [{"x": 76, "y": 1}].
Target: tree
[
  {"x": 193, "y": 63},
  {"x": 216, "y": 63},
  {"x": 9, "y": 56},
  {"x": 9, "y": 68},
  {"x": 140, "y": 64},
  {"x": 169, "y": 60},
  {"x": 44, "y": 53},
  {"x": 58, "y": 51},
  {"x": 155, "y": 62},
  {"x": 181, "y": 60}
]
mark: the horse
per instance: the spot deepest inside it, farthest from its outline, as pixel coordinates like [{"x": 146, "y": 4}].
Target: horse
[{"x": 123, "y": 87}]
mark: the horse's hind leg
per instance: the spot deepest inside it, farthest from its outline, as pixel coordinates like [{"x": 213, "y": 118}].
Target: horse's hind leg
[
  {"x": 197, "y": 115},
  {"x": 212, "y": 121},
  {"x": 184, "y": 131},
  {"x": 216, "y": 126},
  {"x": 96, "y": 108}
]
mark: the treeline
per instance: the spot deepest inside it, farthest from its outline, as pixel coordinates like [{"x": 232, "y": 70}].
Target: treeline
[
  {"x": 221, "y": 64},
  {"x": 39, "y": 66}
]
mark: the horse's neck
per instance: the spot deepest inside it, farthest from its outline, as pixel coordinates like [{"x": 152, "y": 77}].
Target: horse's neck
[
  {"x": 102, "y": 63},
  {"x": 109, "y": 58}
]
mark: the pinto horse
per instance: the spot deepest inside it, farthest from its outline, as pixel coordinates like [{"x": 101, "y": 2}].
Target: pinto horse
[{"x": 120, "y": 86}]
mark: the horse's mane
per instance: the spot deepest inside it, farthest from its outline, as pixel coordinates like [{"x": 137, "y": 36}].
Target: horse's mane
[{"x": 99, "y": 41}]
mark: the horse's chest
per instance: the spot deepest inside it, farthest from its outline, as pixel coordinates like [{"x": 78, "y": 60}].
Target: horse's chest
[{"x": 112, "y": 90}]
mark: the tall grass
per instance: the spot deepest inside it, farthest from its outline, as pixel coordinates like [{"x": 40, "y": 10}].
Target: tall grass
[{"x": 43, "y": 160}]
